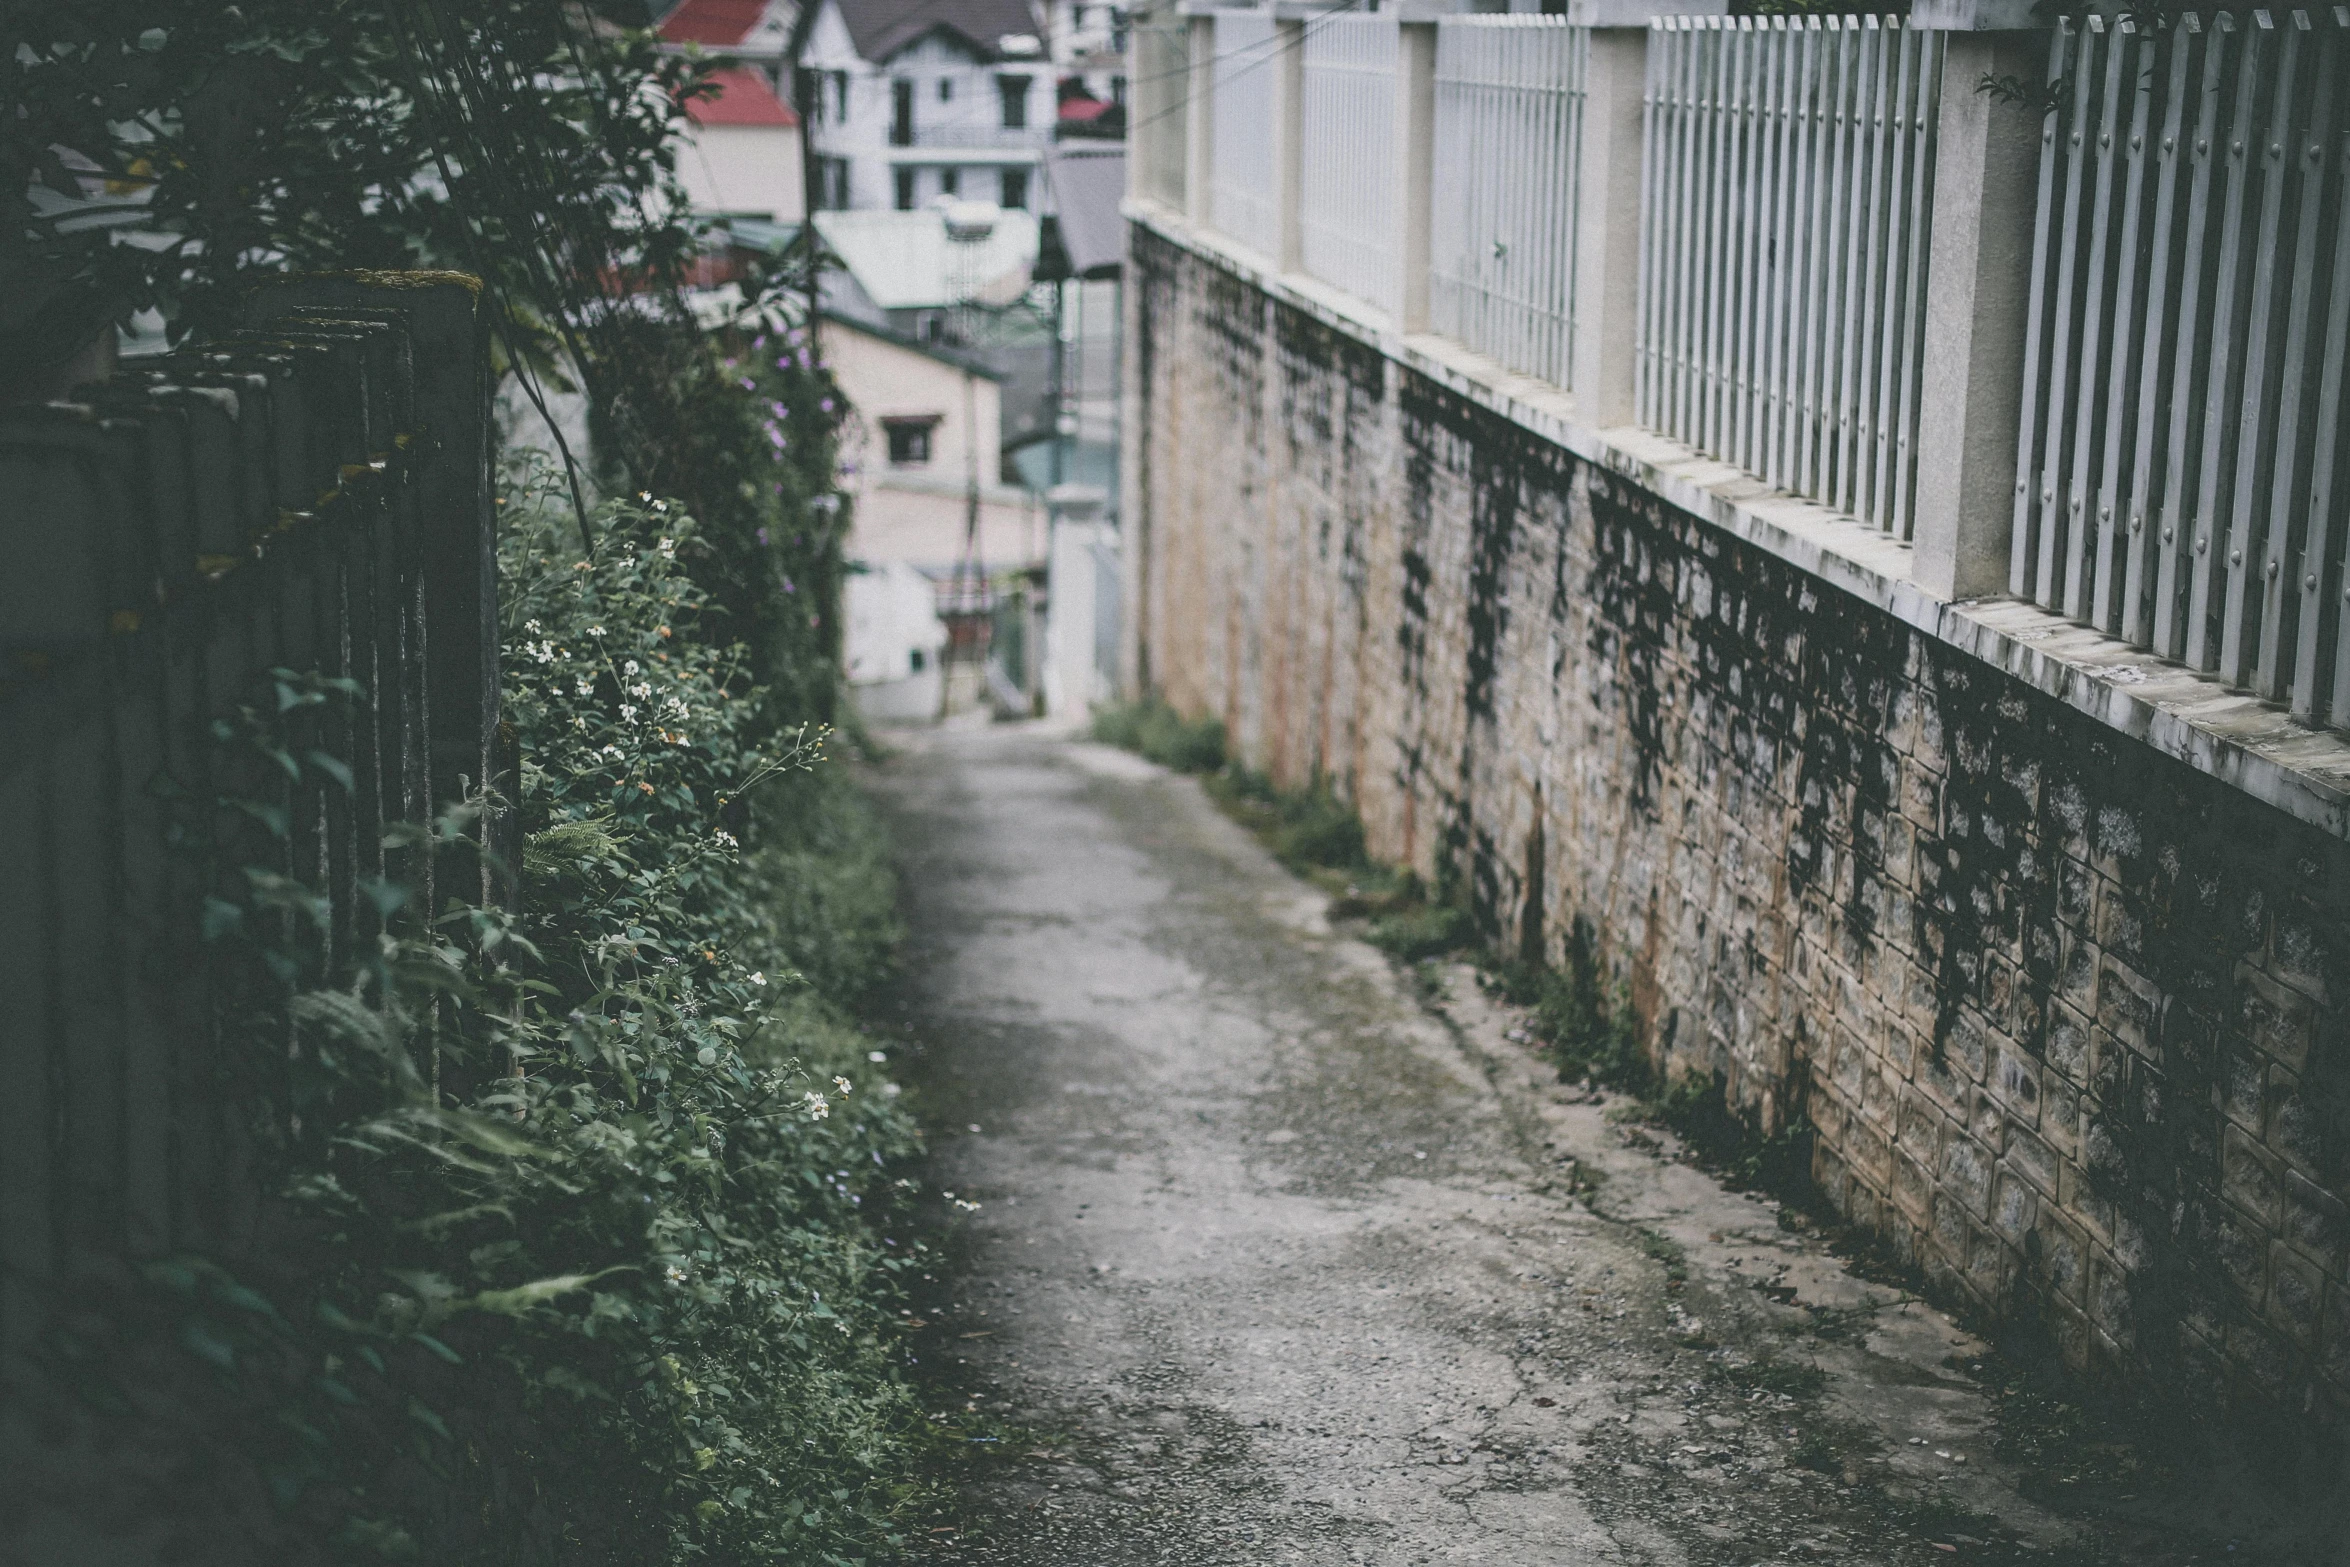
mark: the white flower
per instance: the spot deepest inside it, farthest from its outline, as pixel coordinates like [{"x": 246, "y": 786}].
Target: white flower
[
  {"x": 587, "y": 688},
  {"x": 758, "y": 979},
  {"x": 611, "y": 751},
  {"x": 628, "y": 668},
  {"x": 661, "y": 506},
  {"x": 727, "y": 840},
  {"x": 641, "y": 688},
  {"x": 876, "y": 1057},
  {"x": 841, "y": 1083},
  {"x": 595, "y": 631},
  {"x": 579, "y": 724},
  {"x": 816, "y": 1106},
  {"x": 674, "y": 1274}
]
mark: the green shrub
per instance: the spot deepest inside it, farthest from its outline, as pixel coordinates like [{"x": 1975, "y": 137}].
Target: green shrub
[
  {"x": 1317, "y": 828},
  {"x": 1587, "y": 1019},
  {"x": 1698, "y": 1108},
  {"x": 1162, "y": 734},
  {"x": 589, "y": 1230},
  {"x": 1431, "y": 931}
]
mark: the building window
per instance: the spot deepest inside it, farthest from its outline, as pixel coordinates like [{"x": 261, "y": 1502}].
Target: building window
[
  {"x": 832, "y": 184},
  {"x": 915, "y": 660},
  {"x": 905, "y": 189},
  {"x": 1016, "y": 189},
  {"x": 946, "y": 89},
  {"x": 1015, "y": 95},
  {"x": 950, "y": 182},
  {"x": 1118, "y": 91},
  {"x": 840, "y": 96},
  {"x": 909, "y": 440},
  {"x": 901, "y": 113}
]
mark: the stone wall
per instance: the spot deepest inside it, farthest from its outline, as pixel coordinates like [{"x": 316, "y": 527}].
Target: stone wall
[{"x": 2060, "y": 1007}]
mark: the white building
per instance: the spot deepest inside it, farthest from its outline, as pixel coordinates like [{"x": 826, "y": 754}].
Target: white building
[{"x": 933, "y": 98}]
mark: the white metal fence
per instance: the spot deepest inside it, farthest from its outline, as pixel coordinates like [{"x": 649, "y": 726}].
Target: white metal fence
[
  {"x": 1248, "y": 47},
  {"x": 1783, "y": 249},
  {"x": 1508, "y": 134},
  {"x": 2181, "y": 481},
  {"x": 1346, "y": 164}
]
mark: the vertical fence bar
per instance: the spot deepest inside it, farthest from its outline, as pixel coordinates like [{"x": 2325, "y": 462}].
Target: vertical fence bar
[
  {"x": 2233, "y": 151},
  {"x": 2289, "y": 526},
  {"x": 2254, "y": 433},
  {"x": 2116, "y": 507}
]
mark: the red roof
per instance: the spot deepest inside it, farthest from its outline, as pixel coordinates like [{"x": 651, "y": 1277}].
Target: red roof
[
  {"x": 719, "y": 23},
  {"x": 743, "y": 98},
  {"x": 1083, "y": 111}
]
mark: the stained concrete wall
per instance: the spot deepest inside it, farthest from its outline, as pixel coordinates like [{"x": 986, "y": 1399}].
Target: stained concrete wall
[{"x": 2061, "y": 1008}]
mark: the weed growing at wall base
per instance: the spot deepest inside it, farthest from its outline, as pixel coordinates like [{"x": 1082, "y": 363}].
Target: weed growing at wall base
[{"x": 1157, "y": 731}]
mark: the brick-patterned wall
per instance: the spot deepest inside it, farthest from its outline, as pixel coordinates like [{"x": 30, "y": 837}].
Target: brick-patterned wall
[{"x": 2060, "y": 1007}]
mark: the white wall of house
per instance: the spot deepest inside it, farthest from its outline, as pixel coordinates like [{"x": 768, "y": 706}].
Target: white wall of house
[
  {"x": 919, "y": 512},
  {"x": 743, "y": 170},
  {"x": 894, "y": 643},
  {"x": 888, "y": 382}
]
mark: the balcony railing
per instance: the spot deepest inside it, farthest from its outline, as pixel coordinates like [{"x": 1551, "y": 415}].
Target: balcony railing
[{"x": 979, "y": 134}]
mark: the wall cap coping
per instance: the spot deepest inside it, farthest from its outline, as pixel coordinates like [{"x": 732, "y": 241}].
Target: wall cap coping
[{"x": 2238, "y": 739}]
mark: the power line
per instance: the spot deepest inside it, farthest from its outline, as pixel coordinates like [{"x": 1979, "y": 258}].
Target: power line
[{"x": 1281, "y": 46}]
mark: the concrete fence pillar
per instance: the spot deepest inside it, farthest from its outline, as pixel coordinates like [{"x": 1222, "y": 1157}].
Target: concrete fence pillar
[
  {"x": 1415, "y": 149},
  {"x": 1970, "y": 400},
  {"x": 1607, "y": 227},
  {"x": 1199, "y": 124},
  {"x": 1289, "y": 92}
]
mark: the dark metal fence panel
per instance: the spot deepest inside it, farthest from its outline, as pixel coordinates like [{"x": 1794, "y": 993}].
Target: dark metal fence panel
[
  {"x": 2178, "y": 481},
  {"x": 311, "y": 494}
]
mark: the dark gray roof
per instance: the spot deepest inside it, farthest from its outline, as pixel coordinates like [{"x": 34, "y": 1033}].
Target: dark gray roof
[{"x": 880, "y": 28}]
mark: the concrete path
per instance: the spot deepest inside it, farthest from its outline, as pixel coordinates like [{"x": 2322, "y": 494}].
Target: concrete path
[{"x": 1280, "y": 1259}]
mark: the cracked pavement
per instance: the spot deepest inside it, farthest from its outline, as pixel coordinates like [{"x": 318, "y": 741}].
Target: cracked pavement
[{"x": 1284, "y": 1255}]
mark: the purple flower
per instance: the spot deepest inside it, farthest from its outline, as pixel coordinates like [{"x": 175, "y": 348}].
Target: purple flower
[
  {"x": 750, "y": 385},
  {"x": 787, "y": 586},
  {"x": 763, "y": 531},
  {"x": 828, "y": 405}
]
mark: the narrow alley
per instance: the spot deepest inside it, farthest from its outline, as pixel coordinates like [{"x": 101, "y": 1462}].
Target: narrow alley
[{"x": 1275, "y": 1262}]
